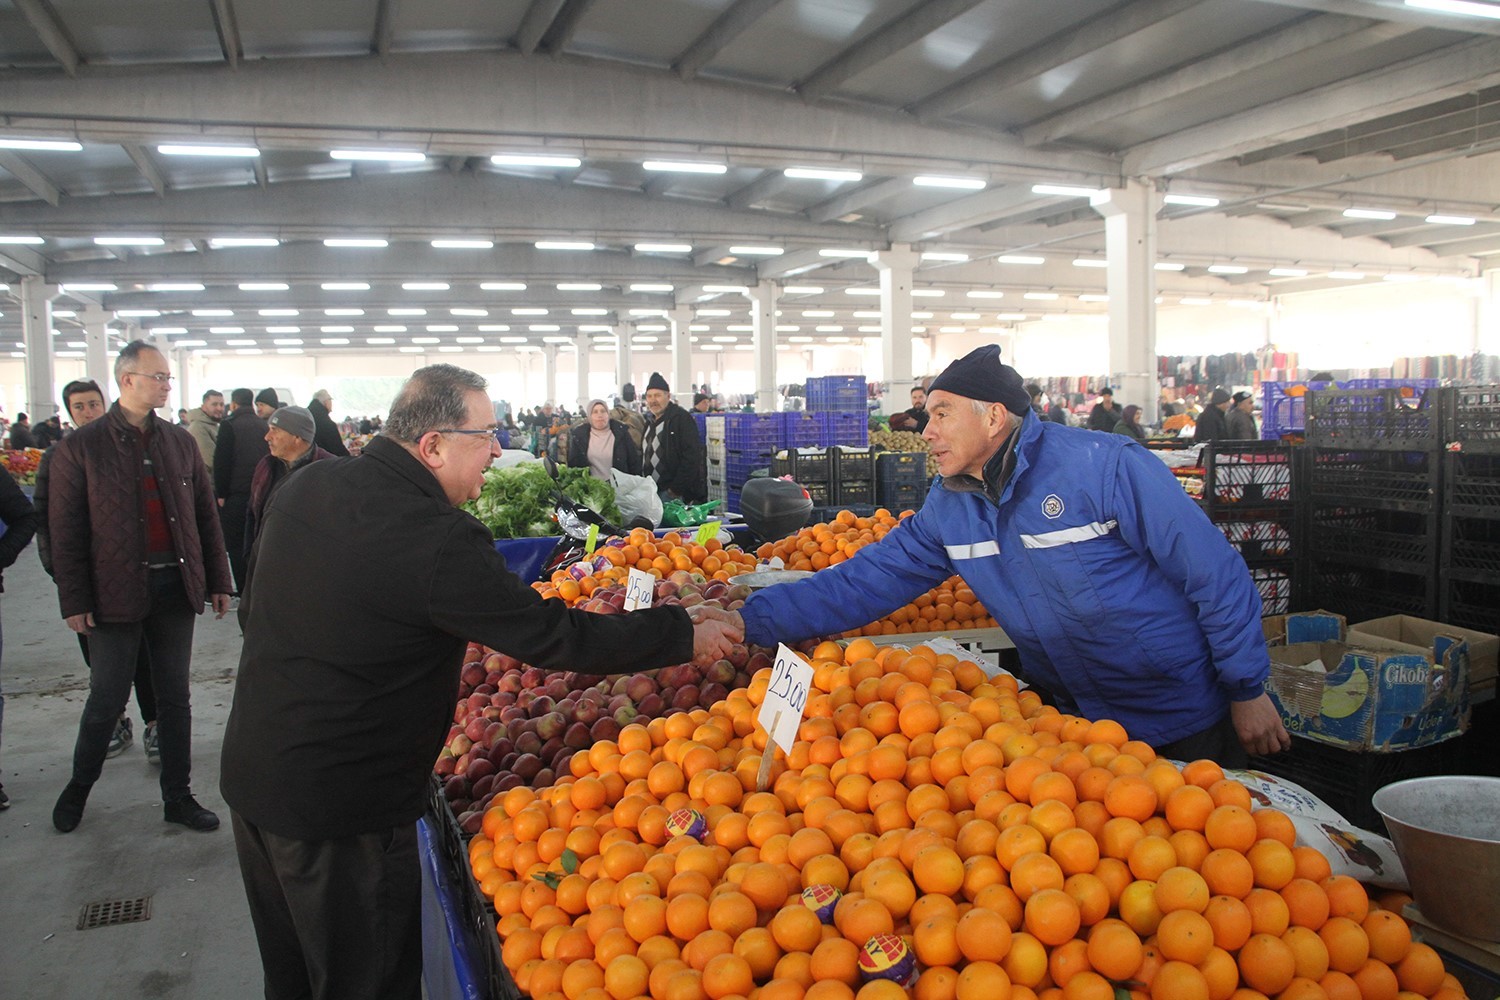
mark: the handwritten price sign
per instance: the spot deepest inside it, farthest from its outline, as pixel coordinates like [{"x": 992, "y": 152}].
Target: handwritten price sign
[
  {"x": 640, "y": 587},
  {"x": 786, "y": 698}
]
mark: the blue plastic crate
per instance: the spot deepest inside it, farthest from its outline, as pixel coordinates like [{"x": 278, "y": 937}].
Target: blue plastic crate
[
  {"x": 798, "y": 429},
  {"x": 701, "y": 419},
  {"x": 732, "y": 501},
  {"x": 1283, "y": 405},
  {"x": 843, "y": 428},
  {"x": 837, "y": 393},
  {"x": 752, "y": 431},
  {"x": 739, "y": 465}
]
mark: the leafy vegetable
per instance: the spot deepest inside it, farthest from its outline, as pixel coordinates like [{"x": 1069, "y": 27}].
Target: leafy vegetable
[{"x": 517, "y": 502}]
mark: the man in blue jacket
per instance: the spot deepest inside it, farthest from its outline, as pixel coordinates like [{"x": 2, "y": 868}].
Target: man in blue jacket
[{"x": 1123, "y": 600}]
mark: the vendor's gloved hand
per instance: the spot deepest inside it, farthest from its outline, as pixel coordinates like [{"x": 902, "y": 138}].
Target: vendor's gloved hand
[{"x": 1258, "y": 725}]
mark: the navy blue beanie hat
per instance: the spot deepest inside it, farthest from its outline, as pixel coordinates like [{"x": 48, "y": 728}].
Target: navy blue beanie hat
[{"x": 981, "y": 375}]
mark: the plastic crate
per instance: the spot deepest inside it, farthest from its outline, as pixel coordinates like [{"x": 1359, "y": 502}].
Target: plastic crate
[
  {"x": 1471, "y": 549},
  {"x": 820, "y": 493},
  {"x": 713, "y": 427},
  {"x": 1360, "y": 593},
  {"x": 1396, "y": 419},
  {"x": 1267, "y": 533},
  {"x": 837, "y": 392},
  {"x": 799, "y": 429},
  {"x": 1387, "y": 480},
  {"x": 1346, "y": 780},
  {"x": 732, "y": 501},
  {"x": 1471, "y": 604},
  {"x": 741, "y": 466},
  {"x": 854, "y": 492},
  {"x": 1471, "y": 484},
  {"x": 1474, "y": 419},
  {"x": 853, "y": 463},
  {"x": 752, "y": 431},
  {"x": 902, "y": 468},
  {"x": 701, "y": 419},
  {"x": 897, "y": 497},
  {"x": 803, "y": 465},
  {"x": 843, "y": 428},
  {"x": 1250, "y": 472},
  {"x": 1277, "y": 585},
  {"x": 1390, "y": 540}
]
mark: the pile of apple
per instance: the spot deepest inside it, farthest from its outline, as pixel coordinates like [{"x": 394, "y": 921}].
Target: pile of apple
[{"x": 680, "y": 588}]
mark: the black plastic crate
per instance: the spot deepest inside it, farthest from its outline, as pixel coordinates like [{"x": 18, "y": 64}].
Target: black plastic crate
[
  {"x": 899, "y": 497},
  {"x": 821, "y": 515},
  {"x": 1388, "y": 480},
  {"x": 854, "y": 492},
  {"x": 1347, "y": 780},
  {"x": 1277, "y": 584},
  {"x": 852, "y": 463},
  {"x": 1361, "y": 536},
  {"x": 1360, "y": 593},
  {"x": 1258, "y": 533},
  {"x": 1403, "y": 419},
  {"x": 1471, "y": 549},
  {"x": 1250, "y": 472},
  {"x": 1471, "y": 604},
  {"x": 1471, "y": 484},
  {"x": 802, "y": 464},
  {"x": 1474, "y": 418},
  {"x": 902, "y": 468}
]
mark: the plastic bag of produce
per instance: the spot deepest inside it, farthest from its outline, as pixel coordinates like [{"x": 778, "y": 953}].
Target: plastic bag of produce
[
  {"x": 676, "y": 514},
  {"x": 636, "y": 496}
]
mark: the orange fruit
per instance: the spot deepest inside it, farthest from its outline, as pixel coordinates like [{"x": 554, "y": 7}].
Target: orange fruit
[
  {"x": 1231, "y": 827},
  {"x": 1178, "y": 981},
  {"x": 1267, "y": 964},
  {"x": 1273, "y": 863},
  {"x": 1075, "y": 850},
  {"x": 1307, "y": 903},
  {"x": 1376, "y": 981},
  {"x": 1138, "y": 907},
  {"x": 1188, "y": 808},
  {"x": 1034, "y": 872},
  {"x": 982, "y": 981},
  {"x": 935, "y": 941},
  {"x": 1130, "y": 796},
  {"x": 1348, "y": 947},
  {"x": 1184, "y": 936},
  {"x": 757, "y": 947},
  {"x": 733, "y": 913},
  {"x": 1346, "y": 898},
  {"x": 705, "y": 947},
  {"x": 1228, "y": 873},
  {"x": 1026, "y": 962},
  {"x": 1268, "y": 912},
  {"x": 1421, "y": 971},
  {"x": 726, "y": 975},
  {"x": 1230, "y": 920},
  {"x": 626, "y": 978},
  {"x": 1114, "y": 949},
  {"x": 796, "y": 928},
  {"x": 983, "y": 935},
  {"x": 1180, "y": 888},
  {"x": 836, "y": 960},
  {"x": 765, "y": 885},
  {"x": 1051, "y": 916},
  {"x": 1309, "y": 952},
  {"x": 938, "y": 870}
]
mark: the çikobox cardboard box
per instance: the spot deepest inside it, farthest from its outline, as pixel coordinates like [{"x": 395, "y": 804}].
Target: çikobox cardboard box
[
  {"x": 1484, "y": 648},
  {"x": 1366, "y": 693}
]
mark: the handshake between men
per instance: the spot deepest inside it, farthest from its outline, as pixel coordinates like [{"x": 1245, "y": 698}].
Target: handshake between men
[{"x": 714, "y": 632}]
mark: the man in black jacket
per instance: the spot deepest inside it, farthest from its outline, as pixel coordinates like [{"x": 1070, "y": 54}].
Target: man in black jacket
[
  {"x": 20, "y": 524},
  {"x": 367, "y": 583},
  {"x": 1105, "y": 413},
  {"x": 671, "y": 451},
  {"x": 20, "y": 434},
  {"x": 326, "y": 432},
  {"x": 240, "y": 447},
  {"x": 1213, "y": 425}
]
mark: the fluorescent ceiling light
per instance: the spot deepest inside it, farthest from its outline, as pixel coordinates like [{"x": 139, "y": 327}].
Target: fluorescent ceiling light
[
  {"x": 487, "y": 347},
  {"x": 279, "y": 312},
  {"x": 1288, "y": 272},
  {"x": 263, "y": 286},
  {"x": 579, "y": 286},
  {"x": 868, "y": 329},
  {"x": 741, "y": 327},
  {"x": 388, "y": 328},
  {"x": 818, "y": 313},
  {"x": 239, "y": 343},
  {"x": 286, "y": 329},
  {"x": 535, "y": 160},
  {"x": 650, "y": 287},
  {"x": 22, "y": 240},
  {"x": 343, "y": 312},
  {"x": 1195, "y": 200},
  {"x": 1041, "y": 296},
  {"x": 1064, "y": 190},
  {"x": 66, "y": 313},
  {"x": 1377, "y": 214},
  {"x": 860, "y": 290},
  {"x": 492, "y": 327},
  {"x": 461, "y": 311},
  {"x": 849, "y": 253},
  {"x": 726, "y": 289},
  {"x": 503, "y": 286},
  {"x": 802, "y": 290},
  {"x": 357, "y": 242},
  {"x": 944, "y": 255},
  {"x": 656, "y": 328},
  {"x": 928, "y": 293},
  {"x": 1346, "y": 275},
  {"x": 783, "y": 328},
  {"x": 226, "y": 329},
  {"x": 213, "y": 312},
  {"x": 513, "y": 340},
  {"x": 468, "y": 340},
  {"x": 1019, "y": 258},
  {"x": 981, "y": 293},
  {"x": 1436, "y": 220},
  {"x": 380, "y": 155},
  {"x": 1227, "y": 269},
  {"x": 921, "y": 315},
  {"x": 715, "y": 312},
  {"x": 1168, "y": 265},
  {"x": 134, "y": 312},
  {"x": 189, "y": 343},
  {"x": 406, "y": 349},
  {"x": 441, "y": 328},
  {"x": 176, "y": 286},
  {"x": 220, "y": 242},
  {"x": 590, "y": 312},
  {"x": 822, "y": 174},
  {"x": 383, "y": 341},
  {"x": 1011, "y": 317},
  {"x": 53, "y": 145},
  {"x": 964, "y": 315},
  {"x": 663, "y": 248},
  {"x": 463, "y": 244},
  {"x": 756, "y": 251},
  {"x": 563, "y": 245},
  {"x": 1465, "y": 7},
  {"x": 1089, "y": 262},
  {"x": 180, "y": 149},
  {"x": 1093, "y": 298},
  {"x": 333, "y": 341},
  {"x": 1194, "y": 301},
  {"x": 685, "y": 167},
  {"x": 129, "y": 241},
  {"x": 727, "y": 340},
  {"x": 424, "y": 286},
  {"x": 960, "y": 183},
  {"x": 288, "y": 342},
  {"x": 644, "y": 340},
  {"x": 528, "y": 311},
  {"x": 426, "y": 340},
  {"x": 345, "y": 286}
]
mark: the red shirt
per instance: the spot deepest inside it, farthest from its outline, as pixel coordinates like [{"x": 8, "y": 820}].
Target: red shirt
[{"x": 159, "y": 550}]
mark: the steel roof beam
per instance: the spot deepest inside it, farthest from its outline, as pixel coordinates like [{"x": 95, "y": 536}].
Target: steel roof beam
[
  {"x": 1395, "y": 10},
  {"x": 49, "y": 28},
  {"x": 960, "y": 213},
  {"x": 30, "y": 177},
  {"x": 560, "y": 35},
  {"x": 767, "y": 185},
  {"x": 228, "y": 28},
  {"x": 534, "y": 24},
  {"x": 860, "y": 198},
  {"x": 729, "y": 26},
  {"x": 385, "y": 26},
  {"x": 147, "y": 167},
  {"x": 1434, "y": 238},
  {"x": 1477, "y": 247},
  {"x": 885, "y": 41}
]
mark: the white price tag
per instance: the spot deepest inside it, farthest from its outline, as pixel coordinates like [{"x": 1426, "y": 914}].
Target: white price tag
[
  {"x": 786, "y": 698},
  {"x": 640, "y": 587}
]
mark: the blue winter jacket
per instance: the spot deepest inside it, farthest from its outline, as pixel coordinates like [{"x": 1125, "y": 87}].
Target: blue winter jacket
[{"x": 1120, "y": 595}]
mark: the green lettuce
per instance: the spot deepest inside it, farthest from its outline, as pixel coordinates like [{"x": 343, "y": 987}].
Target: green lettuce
[{"x": 516, "y": 502}]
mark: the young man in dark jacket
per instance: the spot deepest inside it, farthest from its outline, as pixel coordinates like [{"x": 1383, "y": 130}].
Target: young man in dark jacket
[
  {"x": 20, "y": 524},
  {"x": 137, "y": 551},
  {"x": 367, "y": 582},
  {"x": 1105, "y": 413},
  {"x": 672, "y": 452},
  {"x": 327, "y": 434},
  {"x": 20, "y": 434},
  {"x": 239, "y": 449},
  {"x": 1213, "y": 425}
]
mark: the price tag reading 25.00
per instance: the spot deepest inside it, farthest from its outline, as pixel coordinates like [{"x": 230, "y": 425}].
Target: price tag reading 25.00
[
  {"x": 639, "y": 589},
  {"x": 786, "y": 698}
]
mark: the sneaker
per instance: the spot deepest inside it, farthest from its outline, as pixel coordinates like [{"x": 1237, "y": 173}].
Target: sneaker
[
  {"x": 4, "y": 799},
  {"x": 190, "y": 814},
  {"x": 150, "y": 745},
  {"x": 69, "y": 808},
  {"x": 121, "y": 739}
]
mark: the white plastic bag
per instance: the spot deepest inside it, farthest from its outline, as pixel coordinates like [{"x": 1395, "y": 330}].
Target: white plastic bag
[{"x": 636, "y": 497}]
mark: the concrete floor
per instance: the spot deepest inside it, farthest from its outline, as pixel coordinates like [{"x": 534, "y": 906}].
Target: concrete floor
[{"x": 198, "y": 941}]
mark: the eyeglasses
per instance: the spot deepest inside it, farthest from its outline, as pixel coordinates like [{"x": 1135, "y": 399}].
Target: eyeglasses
[
  {"x": 493, "y": 432},
  {"x": 154, "y": 376}
]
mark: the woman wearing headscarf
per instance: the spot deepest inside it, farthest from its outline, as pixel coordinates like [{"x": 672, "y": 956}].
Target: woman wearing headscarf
[
  {"x": 1130, "y": 423},
  {"x": 601, "y": 444}
]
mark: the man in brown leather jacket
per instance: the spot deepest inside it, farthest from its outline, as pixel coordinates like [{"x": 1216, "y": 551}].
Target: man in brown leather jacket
[{"x": 137, "y": 551}]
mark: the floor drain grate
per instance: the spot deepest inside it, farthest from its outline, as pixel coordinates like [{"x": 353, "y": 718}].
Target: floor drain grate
[{"x": 114, "y": 911}]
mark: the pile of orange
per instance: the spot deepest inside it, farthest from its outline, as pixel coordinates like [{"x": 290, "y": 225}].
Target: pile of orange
[
  {"x": 658, "y": 556},
  {"x": 949, "y": 606},
  {"x": 1018, "y": 852}
]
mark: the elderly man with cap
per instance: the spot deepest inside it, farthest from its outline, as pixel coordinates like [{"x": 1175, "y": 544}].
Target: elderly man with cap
[
  {"x": 1123, "y": 600},
  {"x": 1241, "y": 418},
  {"x": 290, "y": 434},
  {"x": 671, "y": 450},
  {"x": 1212, "y": 425},
  {"x": 327, "y": 434}
]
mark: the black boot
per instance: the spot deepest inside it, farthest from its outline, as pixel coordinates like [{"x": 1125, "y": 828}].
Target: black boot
[{"x": 69, "y": 808}]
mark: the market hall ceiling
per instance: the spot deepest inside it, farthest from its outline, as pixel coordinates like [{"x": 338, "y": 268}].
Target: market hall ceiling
[{"x": 1338, "y": 138}]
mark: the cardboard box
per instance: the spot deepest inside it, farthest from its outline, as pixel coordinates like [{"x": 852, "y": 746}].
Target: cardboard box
[
  {"x": 1373, "y": 695},
  {"x": 1304, "y": 626},
  {"x": 1484, "y": 648}
]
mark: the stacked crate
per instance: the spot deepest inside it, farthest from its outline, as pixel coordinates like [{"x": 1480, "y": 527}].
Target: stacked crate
[
  {"x": 809, "y": 468},
  {"x": 1469, "y": 590},
  {"x": 750, "y": 440},
  {"x": 1373, "y": 490},
  {"x": 1250, "y": 492},
  {"x": 835, "y": 393},
  {"x": 1283, "y": 405},
  {"x": 901, "y": 480},
  {"x": 843, "y": 427},
  {"x": 852, "y": 472},
  {"x": 715, "y": 455}
]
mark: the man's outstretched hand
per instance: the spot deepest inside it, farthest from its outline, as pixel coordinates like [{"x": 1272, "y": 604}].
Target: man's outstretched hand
[
  {"x": 1258, "y": 725},
  {"x": 715, "y": 631}
]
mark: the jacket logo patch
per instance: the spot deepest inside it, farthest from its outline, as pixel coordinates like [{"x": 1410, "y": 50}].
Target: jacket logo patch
[{"x": 1052, "y": 506}]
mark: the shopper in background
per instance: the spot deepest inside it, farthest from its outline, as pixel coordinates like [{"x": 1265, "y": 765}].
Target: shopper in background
[
  {"x": 1212, "y": 424},
  {"x": 328, "y": 437},
  {"x": 291, "y": 437},
  {"x": 140, "y": 482},
  {"x": 1166, "y": 407},
  {"x": 702, "y": 403},
  {"x": 1240, "y": 420},
  {"x": 601, "y": 445},
  {"x": 266, "y": 403},
  {"x": 20, "y": 434},
  {"x": 84, "y": 401},
  {"x": 1130, "y": 423},
  {"x": 20, "y": 521},
  {"x": 914, "y": 419},
  {"x": 203, "y": 423},
  {"x": 241, "y": 445},
  {"x": 1123, "y": 600},
  {"x": 1057, "y": 408},
  {"x": 368, "y": 584},
  {"x": 627, "y": 411},
  {"x": 1105, "y": 413},
  {"x": 47, "y": 433},
  {"x": 673, "y": 452},
  {"x": 1034, "y": 393}
]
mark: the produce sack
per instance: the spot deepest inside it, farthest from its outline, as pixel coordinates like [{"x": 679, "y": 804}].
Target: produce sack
[
  {"x": 676, "y": 514},
  {"x": 636, "y": 496}
]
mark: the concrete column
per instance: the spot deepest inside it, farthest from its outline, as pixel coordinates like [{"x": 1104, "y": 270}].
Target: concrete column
[
  {"x": 622, "y": 333},
  {"x": 36, "y": 332},
  {"x": 549, "y": 373},
  {"x": 763, "y": 323},
  {"x": 96, "y": 354},
  {"x": 184, "y": 382},
  {"x": 1130, "y": 242},
  {"x": 896, "y": 266},
  {"x": 582, "y": 345},
  {"x": 680, "y": 319},
  {"x": 1487, "y": 313}
]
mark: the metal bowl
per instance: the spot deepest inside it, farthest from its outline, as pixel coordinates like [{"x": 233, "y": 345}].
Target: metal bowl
[
  {"x": 1447, "y": 832},
  {"x": 767, "y": 577}
]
